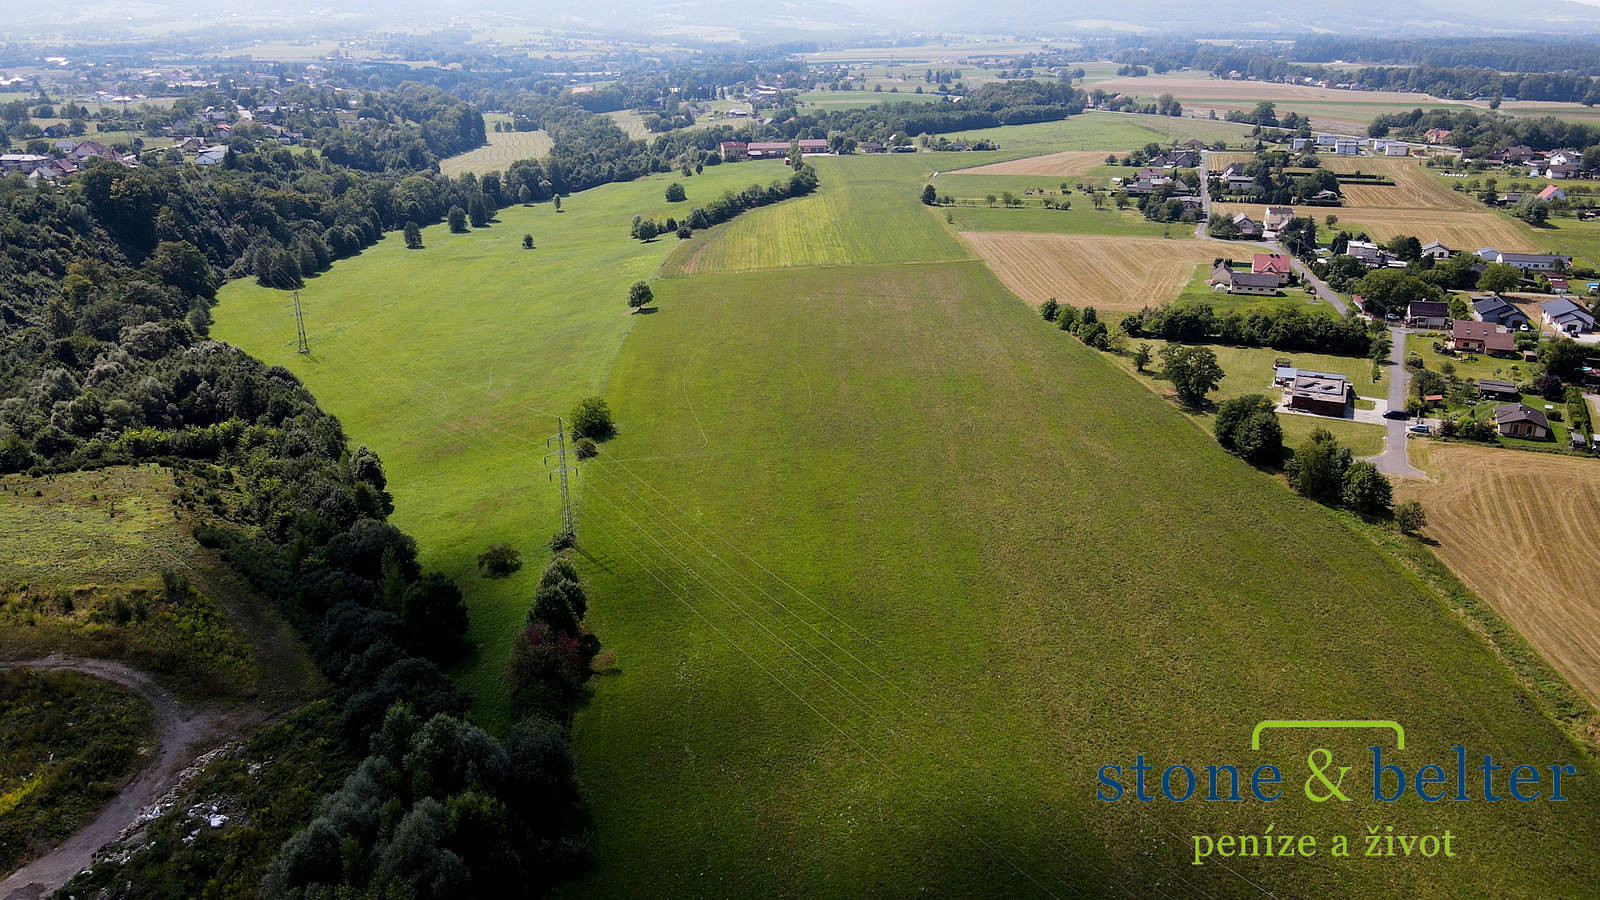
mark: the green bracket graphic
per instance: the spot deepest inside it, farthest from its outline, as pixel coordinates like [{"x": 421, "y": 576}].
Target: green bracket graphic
[{"x": 1399, "y": 733}]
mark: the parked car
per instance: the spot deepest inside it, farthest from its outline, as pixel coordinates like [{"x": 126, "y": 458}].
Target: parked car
[
  {"x": 1396, "y": 414},
  {"x": 1420, "y": 428}
]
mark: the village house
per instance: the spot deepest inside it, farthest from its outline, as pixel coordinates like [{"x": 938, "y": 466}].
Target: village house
[
  {"x": 1347, "y": 147},
  {"x": 1368, "y": 253},
  {"x": 1518, "y": 420},
  {"x": 732, "y": 150},
  {"x": 1276, "y": 263},
  {"x": 212, "y": 156},
  {"x": 1481, "y": 337},
  {"x": 1275, "y": 218},
  {"x": 21, "y": 162},
  {"x": 1436, "y": 135},
  {"x": 1567, "y": 317},
  {"x": 1428, "y": 314},
  {"x": 1247, "y": 226},
  {"x": 1498, "y": 311},
  {"x": 1436, "y": 251},
  {"x": 1552, "y": 193},
  {"x": 1323, "y": 393},
  {"x": 1226, "y": 277}
]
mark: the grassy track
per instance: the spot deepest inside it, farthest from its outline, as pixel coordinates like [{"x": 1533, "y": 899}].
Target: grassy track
[{"x": 1002, "y": 565}]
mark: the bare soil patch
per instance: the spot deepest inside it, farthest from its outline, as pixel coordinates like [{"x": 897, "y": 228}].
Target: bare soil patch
[{"x": 1108, "y": 273}]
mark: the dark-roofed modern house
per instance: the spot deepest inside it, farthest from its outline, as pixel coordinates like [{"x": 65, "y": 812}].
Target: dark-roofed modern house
[
  {"x": 1323, "y": 393},
  {"x": 1517, "y": 420},
  {"x": 1498, "y": 311},
  {"x": 1566, "y": 316}
]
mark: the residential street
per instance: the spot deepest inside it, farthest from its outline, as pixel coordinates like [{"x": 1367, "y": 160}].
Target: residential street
[{"x": 1393, "y": 459}]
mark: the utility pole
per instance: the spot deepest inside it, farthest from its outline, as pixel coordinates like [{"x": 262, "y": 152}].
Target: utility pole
[
  {"x": 568, "y": 528},
  {"x": 300, "y": 324}
]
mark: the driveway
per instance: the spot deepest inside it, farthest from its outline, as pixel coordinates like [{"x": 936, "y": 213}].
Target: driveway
[{"x": 1393, "y": 459}]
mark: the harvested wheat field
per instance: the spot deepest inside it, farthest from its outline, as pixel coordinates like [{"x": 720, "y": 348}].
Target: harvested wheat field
[
  {"x": 1519, "y": 528},
  {"x": 1413, "y": 187},
  {"x": 1108, "y": 273},
  {"x": 1067, "y": 162}
]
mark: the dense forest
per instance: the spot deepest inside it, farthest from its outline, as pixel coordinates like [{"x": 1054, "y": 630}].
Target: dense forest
[{"x": 107, "y": 284}]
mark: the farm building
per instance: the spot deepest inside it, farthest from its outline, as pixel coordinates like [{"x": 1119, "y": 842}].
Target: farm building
[
  {"x": 1497, "y": 311},
  {"x": 732, "y": 150},
  {"x": 1518, "y": 420},
  {"x": 1428, "y": 314},
  {"x": 1530, "y": 262},
  {"x": 1566, "y": 316},
  {"x": 1481, "y": 337},
  {"x": 780, "y": 149},
  {"x": 1436, "y": 250},
  {"x": 1323, "y": 393}
]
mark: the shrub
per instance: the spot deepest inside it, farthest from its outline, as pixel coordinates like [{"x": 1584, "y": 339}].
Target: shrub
[
  {"x": 591, "y": 419},
  {"x": 1409, "y": 516},
  {"x": 1366, "y": 490},
  {"x": 1249, "y": 427},
  {"x": 500, "y": 560},
  {"x": 675, "y": 193},
  {"x": 586, "y": 448}
]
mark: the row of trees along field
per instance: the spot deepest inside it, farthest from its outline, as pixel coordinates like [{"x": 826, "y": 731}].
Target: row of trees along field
[
  {"x": 107, "y": 284},
  {"x": 1538, "y": 70}
]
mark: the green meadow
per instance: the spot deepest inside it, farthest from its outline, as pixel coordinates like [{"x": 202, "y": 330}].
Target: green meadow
[
  {"x": 891, "y": 567},
  {"x": 1096, "y": 130},
  {"x": 453, "y": 361}
]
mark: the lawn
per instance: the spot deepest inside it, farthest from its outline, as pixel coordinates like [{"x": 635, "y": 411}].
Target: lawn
[
  {"x": 1198, "y": 291},
  {"x": 891, "y": 567},
  {"x": 453, "y": 362},
  {"x": 1248, "y": 370},
  {"x": 67, "y": 741}
]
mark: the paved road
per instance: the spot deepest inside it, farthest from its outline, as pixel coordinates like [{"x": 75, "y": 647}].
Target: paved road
[
  {"x": 1393, "y": 459},
  {"x": 1205, "y": 195},
  {"x": 1328, "y": 294},
  {"x": 177, "y": 726}
]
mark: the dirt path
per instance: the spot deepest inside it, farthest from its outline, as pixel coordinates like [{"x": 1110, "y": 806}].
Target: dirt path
[{"x": 178, "y": 727}]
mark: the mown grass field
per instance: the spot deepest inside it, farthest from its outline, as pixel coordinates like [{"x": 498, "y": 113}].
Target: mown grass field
[
  {"x": 858, "y": 99},
  {"x": 1051, "y": 165},
  {"x": 1094, "y": 130},
  {"x": 67, "y": 742},
  {"x": 453, "y": 361},
  {"x": 1538, "y": 513},
  {"x": 503, "y": 149},
  {"x": 892, "y": 567},
  {"x": 866, "y": 210},
  {"x": 1081, "y": 219}
]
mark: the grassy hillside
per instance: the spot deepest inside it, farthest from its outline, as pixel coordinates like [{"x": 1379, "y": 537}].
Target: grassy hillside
[
  {"x": 891, "y": 569},
  {"x": 454, "y": 360}
]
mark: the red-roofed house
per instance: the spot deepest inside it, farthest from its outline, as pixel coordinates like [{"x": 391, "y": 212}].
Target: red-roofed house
[
  {"x": 1276, "y": 263},
  {"x": 1552, "y": 193}
]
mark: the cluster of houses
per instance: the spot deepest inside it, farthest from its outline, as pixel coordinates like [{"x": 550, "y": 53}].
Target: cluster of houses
[
  {"x": 1555, "y": 165},
  {"x": 70, "y": 156},
  {"x": 1340, "y": 145},
  {"x": 1265, "y": 228},
  {"x": 1268, "y": 272}
]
